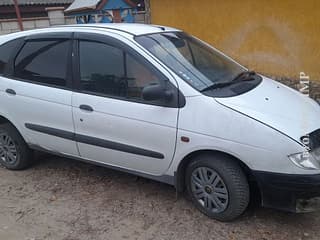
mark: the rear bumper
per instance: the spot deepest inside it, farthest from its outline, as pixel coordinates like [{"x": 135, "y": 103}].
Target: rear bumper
[{"x": 289, "y": 192}]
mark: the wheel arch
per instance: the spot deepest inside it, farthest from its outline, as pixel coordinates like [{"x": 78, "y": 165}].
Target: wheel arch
[
  {"x": 4, "y": 119},
  {"x": 181, "y": 170}
]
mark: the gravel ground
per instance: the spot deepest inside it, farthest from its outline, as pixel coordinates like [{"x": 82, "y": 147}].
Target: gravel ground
[{"x": 68, "y": 200}]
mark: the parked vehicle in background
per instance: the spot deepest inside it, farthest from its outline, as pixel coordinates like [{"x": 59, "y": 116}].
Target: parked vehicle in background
[{"x": 159, "y": 103}]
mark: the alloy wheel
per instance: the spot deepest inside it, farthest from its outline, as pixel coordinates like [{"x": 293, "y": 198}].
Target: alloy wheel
[{"x": 8, "y": 149}]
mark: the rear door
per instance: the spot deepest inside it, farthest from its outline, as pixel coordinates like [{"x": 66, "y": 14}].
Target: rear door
[
  {"x": 39, "y": 92},
  {"x": 113, "y": 124}
]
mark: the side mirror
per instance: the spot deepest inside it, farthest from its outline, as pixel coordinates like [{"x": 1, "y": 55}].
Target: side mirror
[{"x": 156, "y": 92}]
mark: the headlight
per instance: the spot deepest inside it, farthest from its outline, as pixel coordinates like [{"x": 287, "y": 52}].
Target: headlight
[{"x": 306, "y": 160}]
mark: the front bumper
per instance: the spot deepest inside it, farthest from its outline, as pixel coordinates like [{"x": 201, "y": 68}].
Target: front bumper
[{"x": 289, "y": 192}]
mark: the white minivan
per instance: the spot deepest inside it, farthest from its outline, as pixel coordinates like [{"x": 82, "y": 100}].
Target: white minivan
[{"x": 159, "y": 103}]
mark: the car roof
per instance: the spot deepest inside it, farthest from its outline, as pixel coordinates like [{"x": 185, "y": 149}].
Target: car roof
[{"x": 130, "y": 28}]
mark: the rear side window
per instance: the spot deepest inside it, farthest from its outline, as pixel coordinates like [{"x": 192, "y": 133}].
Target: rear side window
[
  {"x": 6, "y": 50},
  {"x": 44, "y": 62}
]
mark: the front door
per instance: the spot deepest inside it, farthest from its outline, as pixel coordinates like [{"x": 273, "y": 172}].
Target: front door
[{"x": 113, "y": 124}]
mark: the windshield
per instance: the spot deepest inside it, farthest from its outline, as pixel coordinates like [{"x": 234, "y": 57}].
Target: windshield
[{"x": 197, "y": 63}]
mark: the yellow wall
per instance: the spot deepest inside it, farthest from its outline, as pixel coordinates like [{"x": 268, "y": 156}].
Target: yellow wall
[{"x": 277, "y": 37}]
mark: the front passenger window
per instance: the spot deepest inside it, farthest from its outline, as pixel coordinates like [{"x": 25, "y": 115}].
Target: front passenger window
[
  {"x": 138, "y": 77},
  {"x": 111, "y": 71},
  {"x": 102, "y": 69}
]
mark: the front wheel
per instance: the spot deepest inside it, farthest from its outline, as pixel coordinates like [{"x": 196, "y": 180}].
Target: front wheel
[{"x": 217, "y": 186}]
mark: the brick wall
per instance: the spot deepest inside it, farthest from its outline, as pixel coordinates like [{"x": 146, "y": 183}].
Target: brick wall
[{"x": 55, "y": 17}]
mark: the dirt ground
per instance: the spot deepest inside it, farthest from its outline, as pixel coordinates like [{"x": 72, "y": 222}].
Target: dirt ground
[{"x": 63, "y": 199}]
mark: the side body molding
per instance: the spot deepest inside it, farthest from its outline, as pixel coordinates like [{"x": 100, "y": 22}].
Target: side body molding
[{"x": 94, "y": 141}]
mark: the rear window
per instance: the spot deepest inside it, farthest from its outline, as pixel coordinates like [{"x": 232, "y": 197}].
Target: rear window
[
  {"x": 6, "y": 50},
  {"x": 43, "y": 62}
]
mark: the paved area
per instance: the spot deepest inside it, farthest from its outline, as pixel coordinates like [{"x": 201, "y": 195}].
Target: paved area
[{"x": 63, "y": 199}]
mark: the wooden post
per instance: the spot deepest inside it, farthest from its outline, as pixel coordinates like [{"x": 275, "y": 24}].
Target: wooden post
[
  {"x": 16, "y": 6},
  {"x": 116, "y": 16},
  {"x": 148, "y": 11}
]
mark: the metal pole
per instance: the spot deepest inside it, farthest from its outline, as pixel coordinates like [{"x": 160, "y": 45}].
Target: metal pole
[{"x": 16, "y": 6}]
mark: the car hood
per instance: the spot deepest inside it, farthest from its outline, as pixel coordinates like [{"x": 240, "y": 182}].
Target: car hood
[{"x": 279, "y": 107}]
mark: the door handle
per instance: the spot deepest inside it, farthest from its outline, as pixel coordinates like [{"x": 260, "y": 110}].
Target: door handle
[
  {"x": 11, "y": 91},
  {"x": 86, "y": 108}
]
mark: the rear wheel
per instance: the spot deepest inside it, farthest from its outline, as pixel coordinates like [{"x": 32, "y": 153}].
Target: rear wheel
[
  {"x": 217, "y": 186},
  {"x": 14, "y": 152}
]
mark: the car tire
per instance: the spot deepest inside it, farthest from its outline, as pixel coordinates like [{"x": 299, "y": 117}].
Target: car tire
[
  {"x": 217, "y": 186},
  {"x": 14, "y": 152}
]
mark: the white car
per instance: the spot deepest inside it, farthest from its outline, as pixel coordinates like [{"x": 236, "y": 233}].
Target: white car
[{"x": 159, "y": 103}]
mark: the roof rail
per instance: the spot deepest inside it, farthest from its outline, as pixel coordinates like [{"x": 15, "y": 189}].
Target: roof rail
[{"x": 94, "y": 26}]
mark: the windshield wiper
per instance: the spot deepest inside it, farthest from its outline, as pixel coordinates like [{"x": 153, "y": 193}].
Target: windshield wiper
[{"x": 243, "y": 76}]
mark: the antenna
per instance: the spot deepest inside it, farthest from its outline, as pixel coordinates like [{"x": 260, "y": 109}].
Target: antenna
[{"x": 162, "y": 28}]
